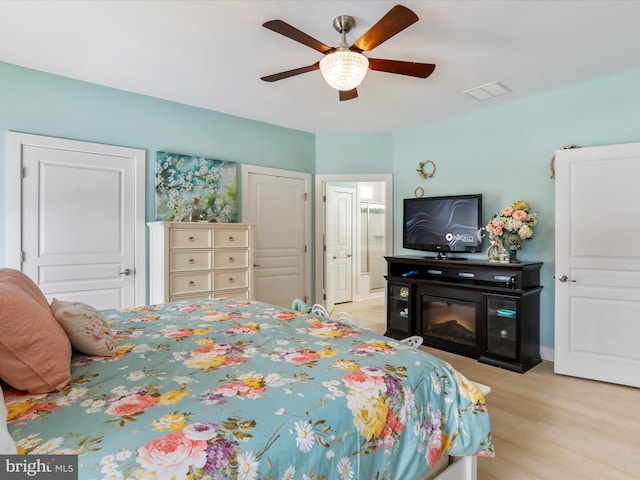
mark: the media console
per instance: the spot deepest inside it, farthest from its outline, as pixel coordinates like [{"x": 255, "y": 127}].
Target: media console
[{"x": 488, "y": 311}]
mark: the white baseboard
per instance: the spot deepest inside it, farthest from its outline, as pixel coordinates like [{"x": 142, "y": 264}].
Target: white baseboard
[{"x": 547, "y": 353}]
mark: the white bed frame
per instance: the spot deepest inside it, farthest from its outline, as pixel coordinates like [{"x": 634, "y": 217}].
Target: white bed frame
[{"x": 462, "y": 468}]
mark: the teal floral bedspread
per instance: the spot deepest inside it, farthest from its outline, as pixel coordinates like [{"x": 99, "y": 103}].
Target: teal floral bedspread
[{"x": 232, "y": 388}]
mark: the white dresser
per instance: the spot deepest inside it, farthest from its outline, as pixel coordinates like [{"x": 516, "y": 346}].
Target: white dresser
[{"x": 199, "y": 260}]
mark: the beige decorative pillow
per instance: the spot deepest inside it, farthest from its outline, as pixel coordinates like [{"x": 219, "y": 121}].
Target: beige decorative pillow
[{"x": 86, "y": 327}]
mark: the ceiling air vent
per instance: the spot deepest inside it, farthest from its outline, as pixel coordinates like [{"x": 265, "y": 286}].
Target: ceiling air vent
[{"x": 490, "y": 90}]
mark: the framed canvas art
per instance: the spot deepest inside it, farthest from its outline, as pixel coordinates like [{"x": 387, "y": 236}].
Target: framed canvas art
[{"x": 195, "y": 188}]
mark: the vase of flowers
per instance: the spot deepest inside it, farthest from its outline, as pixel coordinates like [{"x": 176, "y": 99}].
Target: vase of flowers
[{"x": 511, "y": 225}]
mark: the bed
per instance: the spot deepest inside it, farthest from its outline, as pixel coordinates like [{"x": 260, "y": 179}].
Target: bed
[{"x": 233, "y": 388}]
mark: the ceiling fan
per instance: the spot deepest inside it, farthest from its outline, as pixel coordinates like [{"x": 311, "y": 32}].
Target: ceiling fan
[{"x": 344, "y": 66}]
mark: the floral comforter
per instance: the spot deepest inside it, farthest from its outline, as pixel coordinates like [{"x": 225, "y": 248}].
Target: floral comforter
[{"x": 240, "y": 389}]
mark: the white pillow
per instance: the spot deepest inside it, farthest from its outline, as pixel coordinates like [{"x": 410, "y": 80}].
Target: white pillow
[{"x": 7, "y": 445}]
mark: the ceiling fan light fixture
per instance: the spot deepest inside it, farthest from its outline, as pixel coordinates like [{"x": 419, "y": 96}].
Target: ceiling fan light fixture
[
  {"x": 344, "y": 70},
  {"x": 344, "y": 67}
]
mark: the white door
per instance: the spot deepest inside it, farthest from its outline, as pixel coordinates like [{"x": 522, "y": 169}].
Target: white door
[
  {"x": 339, "y": 245},
  {"x": 276, "y": 202},
  {"x": 79, "y": 235},
  {"x": 597, "y": 278}
]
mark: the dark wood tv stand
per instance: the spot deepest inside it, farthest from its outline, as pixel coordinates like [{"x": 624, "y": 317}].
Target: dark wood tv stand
[{"x": 485, "y": 310}]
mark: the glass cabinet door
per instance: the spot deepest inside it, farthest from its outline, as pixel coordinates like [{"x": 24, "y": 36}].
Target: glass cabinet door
[
  {"x": 399, "y": 308},
  {"x": 502, "y": 324}
]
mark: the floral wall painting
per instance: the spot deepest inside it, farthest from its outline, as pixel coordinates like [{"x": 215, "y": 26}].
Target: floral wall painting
[{"x": 195, "y": 188}]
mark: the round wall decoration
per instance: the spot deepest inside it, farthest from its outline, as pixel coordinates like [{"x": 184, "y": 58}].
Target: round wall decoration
[
  {"x": 418, "y": 192},
  {"x": 421, "y": 169}
]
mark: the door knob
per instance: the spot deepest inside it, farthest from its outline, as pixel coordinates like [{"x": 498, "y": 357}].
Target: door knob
[
  {"x": 564, "y": 279},
  {"x": 127, "y": 271}
]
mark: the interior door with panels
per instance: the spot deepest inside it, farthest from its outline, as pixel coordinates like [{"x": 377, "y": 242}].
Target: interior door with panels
[
  {"x": 339, "y": 241},
  {"x": 78, "y": 231},
  {"x": 597, "y": 280},
  {"x": 276, "y": 202}
]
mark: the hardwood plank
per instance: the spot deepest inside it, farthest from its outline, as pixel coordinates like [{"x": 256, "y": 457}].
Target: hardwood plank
[{"x": 545, "y": 426}]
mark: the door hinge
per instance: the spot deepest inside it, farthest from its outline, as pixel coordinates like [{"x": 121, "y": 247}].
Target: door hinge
[
  {"x": 305, "y": 249},
  {"x": 324, "y": 199},
  {"x": 23, "y": 172},
  {"x": 22, "y": 256},
  {"x": 305, "y": 196},
  {"x": 324, "y": 296}
]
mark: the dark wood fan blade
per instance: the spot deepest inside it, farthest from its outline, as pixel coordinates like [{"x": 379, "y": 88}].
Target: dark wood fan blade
[
  {"x": 413, "y": 69},
  {"x": 348, "y": 94},
  {"x": 395, "y": 20},
  {"x": 293, "y": 33},
  {"x": 291, "y": 73}
]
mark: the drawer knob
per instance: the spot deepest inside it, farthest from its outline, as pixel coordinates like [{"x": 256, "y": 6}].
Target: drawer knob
[
  {"x": 231, "y": 238},
  {"x": 231, "y": 259},
  {"x": 191, "y": 260},
  {"x": 231, "y": 280},
  {"x": 191, "y": 238},
  {"x": 191, "y": 283}
]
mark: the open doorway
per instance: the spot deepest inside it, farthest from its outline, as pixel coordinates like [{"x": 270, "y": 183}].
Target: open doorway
[{"x": 353, "y": 235}]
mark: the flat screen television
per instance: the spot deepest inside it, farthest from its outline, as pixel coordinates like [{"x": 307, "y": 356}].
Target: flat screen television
[{"x": 445, "y": 224}]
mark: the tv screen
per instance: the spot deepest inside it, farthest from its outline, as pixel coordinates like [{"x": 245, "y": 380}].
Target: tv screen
[{"x": 443, "y": 224}]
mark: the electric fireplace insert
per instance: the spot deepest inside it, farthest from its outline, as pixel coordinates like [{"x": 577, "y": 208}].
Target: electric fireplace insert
[{"x": 450, "y": 323}]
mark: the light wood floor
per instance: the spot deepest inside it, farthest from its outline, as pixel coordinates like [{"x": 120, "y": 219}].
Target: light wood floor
[{"x": 545, "y": 426}]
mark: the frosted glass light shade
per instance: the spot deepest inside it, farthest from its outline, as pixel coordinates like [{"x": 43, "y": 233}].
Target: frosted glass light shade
[{"x": 344, "y": 70}]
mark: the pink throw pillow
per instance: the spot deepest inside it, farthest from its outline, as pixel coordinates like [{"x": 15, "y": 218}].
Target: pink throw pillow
[{"x": 35, "y": 352}]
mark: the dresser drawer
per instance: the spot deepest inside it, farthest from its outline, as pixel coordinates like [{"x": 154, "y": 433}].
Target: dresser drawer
[
  {"x": 191, "y": 283},
  {"x": 226, "y": 280},
  {"x": 230, "y": 238},
  {"x": 231, "y": 259},
  {"x": 186, "y": 261},
  {"x": 189, "y": 238}
]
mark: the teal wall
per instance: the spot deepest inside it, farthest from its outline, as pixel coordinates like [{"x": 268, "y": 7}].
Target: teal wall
[
  {"x": 44, "y": 104},
  {"x": 502, "y": 152},
  {"x": 352, "y": 153}
]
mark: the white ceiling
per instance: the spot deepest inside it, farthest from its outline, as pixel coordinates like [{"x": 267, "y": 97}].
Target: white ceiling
[{"x": 212, "y": 54}]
